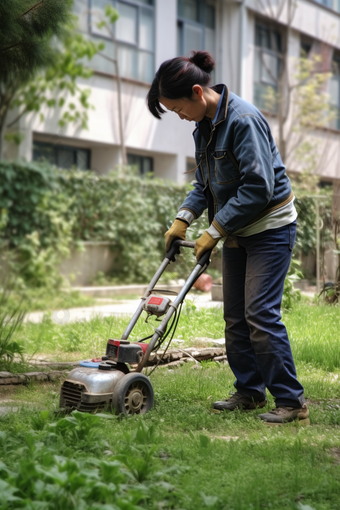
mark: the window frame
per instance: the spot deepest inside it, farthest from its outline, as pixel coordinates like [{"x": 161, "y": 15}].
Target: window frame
[
  {"x": 336, "y": 62},
  {"x": 125, "y": 44},
  {"x": 141, "y": 158},
  {"x": 57, "y": 146},
  {"x": 182, "y": 22},
  {"x": 329, "y": 5},
  {"x": 259, "y": 51}
]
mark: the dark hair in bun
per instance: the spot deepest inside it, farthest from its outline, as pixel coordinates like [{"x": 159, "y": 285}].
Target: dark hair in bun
[
  {"x": 203, "y": 60},
  {"x": 176, "y": 77}
]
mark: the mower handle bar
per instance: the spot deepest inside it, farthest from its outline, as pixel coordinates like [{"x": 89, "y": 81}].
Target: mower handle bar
[
  {"x": 175, "y": 249},
  {"x": 200, "y": 267}
]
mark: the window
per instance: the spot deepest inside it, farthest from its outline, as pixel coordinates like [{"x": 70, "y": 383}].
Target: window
[
  {"x": 331, "y": 4},
  {"x": 267, "y": 67},
  {"x": 62, "y": 156},
  {"x": 133, "y": 33},
  {"x": 306, "y": 46},
  {"x": 326, "y": 3},
  {"x": 143, "y": 164},
  {"x": 325, "y": 184},
  {"x": 334, "y": 92},
  {"x": 196, "y": 26}
]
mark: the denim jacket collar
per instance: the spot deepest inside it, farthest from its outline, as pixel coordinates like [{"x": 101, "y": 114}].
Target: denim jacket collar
[
  {"x": 222, "y": 107},
  {"x": 206, "y": 125}
]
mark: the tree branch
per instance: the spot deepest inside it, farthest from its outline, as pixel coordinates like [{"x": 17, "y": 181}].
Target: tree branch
[
  {"x": 262, "y": 5},
  {"x": 36, "y": 6},
  {"x": 271, "y": 8},
  {"x": 11, "y": 47},
  {"x": 18, "y": 117},
  {"x": 280, "y": 9},
  {"x": 303, "y": 82},
  {"x": 285, "y": 117},
  {"x": 267, "y": 69},
  {"x": 298, "y": 142},
  {"x": 114, "y": 60},
  {"x": 291, "y": 12}
]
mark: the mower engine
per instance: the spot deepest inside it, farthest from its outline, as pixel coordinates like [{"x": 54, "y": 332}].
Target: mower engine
[{"x": 107, "y": 382}]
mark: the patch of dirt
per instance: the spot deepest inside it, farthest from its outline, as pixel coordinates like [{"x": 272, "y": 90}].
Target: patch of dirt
[
  {"x": 329, "y": 402},
  {"x": 7, "y": 391},
  {"x": 335, "y": 453},
  {"x": 15, "y": 393}
]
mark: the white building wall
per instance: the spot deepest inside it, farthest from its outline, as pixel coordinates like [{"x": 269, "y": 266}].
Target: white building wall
[
  {"x": 166, "y": 30},
  {"x": 169, "y": 141}
]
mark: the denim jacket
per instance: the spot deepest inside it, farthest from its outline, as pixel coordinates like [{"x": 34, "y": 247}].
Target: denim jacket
[{"x": 240, "y": 176}]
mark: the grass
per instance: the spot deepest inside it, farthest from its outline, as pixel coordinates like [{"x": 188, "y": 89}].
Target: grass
[
  {"x": 180, "y": 455},
  {"x": 45, "y": 300},
  {"x": 314, "y": 332}
]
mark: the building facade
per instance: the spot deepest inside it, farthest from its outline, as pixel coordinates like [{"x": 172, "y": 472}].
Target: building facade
[{"x": 247, "y": 39}]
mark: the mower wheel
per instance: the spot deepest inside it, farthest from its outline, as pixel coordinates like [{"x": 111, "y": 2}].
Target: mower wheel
[{"x": 133, "y": 394}]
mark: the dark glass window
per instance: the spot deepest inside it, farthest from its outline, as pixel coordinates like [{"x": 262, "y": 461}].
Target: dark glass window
[
  {"x": 305, "y": 47},
  {"x": 143, "y": 164},
  {"x": 331, "y": 4},
  {"x": 334, "y": 92},
  {"x": 63, "y": 156},
  {"x": 268, "y": 48},
  {"x": 133, "y": 33},
  {"x": 195, "y": 27},
  {"x": 325, "y": 184},
  {"x": 327, "y": 3}
]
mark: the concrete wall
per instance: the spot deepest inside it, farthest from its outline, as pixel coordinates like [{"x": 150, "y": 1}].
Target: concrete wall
[{"x": 82, "y": 266}]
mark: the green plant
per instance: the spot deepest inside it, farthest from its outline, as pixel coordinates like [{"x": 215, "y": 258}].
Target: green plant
[
  {"x": 180, "y": 454},
  {"x": 44, "y": 209},
  {"x": 331, "y": 290},
  {"x": 290, "y": 294},
  {"x": 11, "y": 319},
  {"x": 42, "y": 57},
  {"x": 306, "y": 229},
  {"x": 46, "y": 212}
]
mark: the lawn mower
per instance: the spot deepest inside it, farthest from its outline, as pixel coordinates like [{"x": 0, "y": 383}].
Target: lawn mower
[{"x": 116, "y": 381}]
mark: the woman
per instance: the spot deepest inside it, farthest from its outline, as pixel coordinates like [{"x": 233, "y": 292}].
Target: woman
[{"x": 242, "y": 181}]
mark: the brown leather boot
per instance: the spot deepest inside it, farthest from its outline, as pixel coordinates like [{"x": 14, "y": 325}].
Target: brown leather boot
[
  {"x": 281, "y": 415},
  {"x": 238, "y": 401}
]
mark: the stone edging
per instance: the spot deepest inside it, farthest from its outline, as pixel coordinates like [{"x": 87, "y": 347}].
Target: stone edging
[
  {"x": 9, "y": 378},
  {"x": 171, "y": 358}
]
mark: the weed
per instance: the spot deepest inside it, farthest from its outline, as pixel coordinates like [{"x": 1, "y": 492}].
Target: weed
[{"x": 11, "y": 319}]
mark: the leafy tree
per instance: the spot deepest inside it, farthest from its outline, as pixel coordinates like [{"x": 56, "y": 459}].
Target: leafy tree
[
  {"x": 300, "y": 101},
  {"x": 303, "y": 108},
  {"x": 41, "y": 58}
]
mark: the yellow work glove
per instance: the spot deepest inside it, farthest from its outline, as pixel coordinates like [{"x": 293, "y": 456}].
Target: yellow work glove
[
  {"x": 177, "y": 229},
  {"x": 204, "y": 243}
]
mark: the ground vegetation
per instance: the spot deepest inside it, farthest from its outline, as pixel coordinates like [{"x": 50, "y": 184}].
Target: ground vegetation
[{"x": 180, "y": 454}]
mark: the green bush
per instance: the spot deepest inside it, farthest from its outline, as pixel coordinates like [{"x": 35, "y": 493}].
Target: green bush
[
  {"x": 35, "y": 228},
  {"x": 306, "y": 231},
  {"x": 45, "y": 211}
]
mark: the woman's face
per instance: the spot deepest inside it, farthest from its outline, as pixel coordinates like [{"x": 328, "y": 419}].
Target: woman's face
[{"x": 191, "y": 109}]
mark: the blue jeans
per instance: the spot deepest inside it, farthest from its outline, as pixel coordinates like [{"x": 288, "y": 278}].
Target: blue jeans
[{"x": 257, "y": 343}]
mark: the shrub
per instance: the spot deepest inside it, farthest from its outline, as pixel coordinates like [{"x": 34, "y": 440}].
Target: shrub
[{"x": 45, "y": 211}]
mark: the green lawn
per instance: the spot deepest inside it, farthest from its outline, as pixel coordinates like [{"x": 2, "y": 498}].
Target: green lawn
[{"x": 180, "y": 455}]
